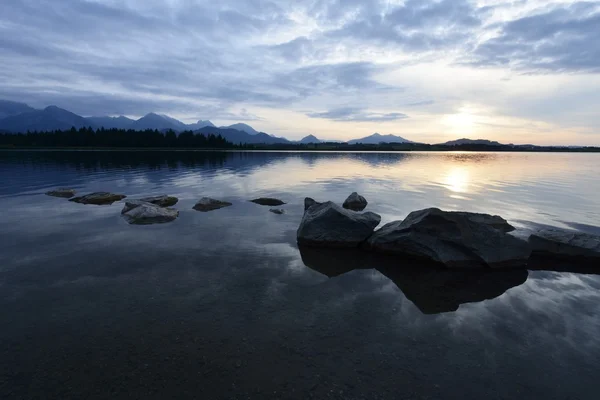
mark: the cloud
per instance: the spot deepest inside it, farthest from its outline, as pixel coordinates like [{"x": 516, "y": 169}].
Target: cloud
[
  {"x": 416, "y": 25},
  {"x": 276, "y": 59},
  {"x": 562, "y": 39},
  {"x": 357, "y": 115}
]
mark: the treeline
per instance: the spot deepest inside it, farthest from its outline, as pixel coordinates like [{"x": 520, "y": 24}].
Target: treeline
[
  {"x": 88, "y": 137},
  {"x": 388, "y": 147}
]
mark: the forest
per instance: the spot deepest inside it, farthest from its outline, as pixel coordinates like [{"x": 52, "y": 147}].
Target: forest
[{"x": 115, "y": 138}]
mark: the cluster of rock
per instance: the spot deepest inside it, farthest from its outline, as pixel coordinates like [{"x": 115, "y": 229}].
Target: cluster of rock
[
  {"x": 156, "y": 209},
  {"x": 454, "y": 239}
]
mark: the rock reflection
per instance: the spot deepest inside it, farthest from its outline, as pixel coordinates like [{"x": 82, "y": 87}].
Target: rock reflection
[{"x": 431, "y": 289}]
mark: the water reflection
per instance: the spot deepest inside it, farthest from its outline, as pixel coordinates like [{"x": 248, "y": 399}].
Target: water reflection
[
  {"x": 432, "y": 290},
  {"x": 220, "y": 305}
]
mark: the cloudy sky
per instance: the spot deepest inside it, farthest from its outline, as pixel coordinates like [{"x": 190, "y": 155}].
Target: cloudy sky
[{"x": 518, "y": 71}]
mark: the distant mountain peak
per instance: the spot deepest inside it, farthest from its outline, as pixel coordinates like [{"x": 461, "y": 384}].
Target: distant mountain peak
[
  {"x": 242, "y": 127},
  {"x": 309, "y": 139},
  {"x": 462, "y": 141},
  {"x": 377, "y": 138}
]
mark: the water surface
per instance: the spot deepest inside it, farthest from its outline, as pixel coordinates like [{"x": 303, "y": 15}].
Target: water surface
[{"x": 225, "y": 305}]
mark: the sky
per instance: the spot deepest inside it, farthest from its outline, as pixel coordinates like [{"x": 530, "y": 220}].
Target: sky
[{"x": 522, "y": 71}]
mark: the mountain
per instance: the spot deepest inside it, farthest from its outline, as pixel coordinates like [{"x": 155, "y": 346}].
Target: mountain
[
  {"x": 459, "y": 142},
  {"x": 377, "y": 138},
  {"x": 156, "y": 121},
  {"x": 309, "y": 139},
  {"x": 49, "y": 119},
  {"x": 242, "y": 127},
  {"x": 199, "y": 125},
  {"x": 10, "y": 108},
  {"x": 111, "y": 122},
  {"x": 236, "y": 136}
]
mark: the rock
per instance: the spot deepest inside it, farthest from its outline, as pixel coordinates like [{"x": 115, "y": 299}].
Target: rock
[
  {"x": 99, "y": 198},
  {"x": 162, "y": 201},
  {"x": 455, "y": 239},
  {"x": 207, "y": 204},
  {"x": 143, "y": 213},
  {"x": 64, "y": 193},
  {"x": 266, "y": 201},
  {"x": 329, "y": 225},
  {"x": 308, "y": 203},
  {"x": 131, "y": 204},
  {"x": 277, "y": 211},
  {"x": 355, "y": 202},
  {"x": 565, "y": 244}
]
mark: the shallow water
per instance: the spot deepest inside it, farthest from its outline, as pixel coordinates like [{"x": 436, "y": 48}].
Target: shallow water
[{"x": 224, "y": 305}]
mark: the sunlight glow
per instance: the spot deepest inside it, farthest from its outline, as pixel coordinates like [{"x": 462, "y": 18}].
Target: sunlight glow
[{"x": 457, "y": 180}]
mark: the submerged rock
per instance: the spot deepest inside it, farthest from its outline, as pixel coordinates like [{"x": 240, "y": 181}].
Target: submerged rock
[
  {"x": 329, "y": 225},
  {"x": 143, "y": 213},
  {"x": 99, "y": 198},
  {"x": 455, "y": 239},
  {"x": 64, "y": 193},
  {"x": 207, "y": 204},
  {"x": 277, "y": 211},
  {"x": 565, "y": 244},
  {"x": 308, "y": 203},
  {"x": 355, "y": 202},
  {"x": 162, "y": 201},
  {"x": 267, "y": 201}
]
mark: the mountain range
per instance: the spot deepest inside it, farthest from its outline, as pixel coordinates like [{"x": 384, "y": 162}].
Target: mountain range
[{"x": 19, "y": 117}]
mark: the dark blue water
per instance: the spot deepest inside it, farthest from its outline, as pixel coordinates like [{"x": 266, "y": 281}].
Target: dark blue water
[{"x": 224, "y": 304}]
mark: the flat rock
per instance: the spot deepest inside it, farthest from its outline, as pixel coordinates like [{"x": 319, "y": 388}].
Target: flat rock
[
  {"x": 330, "y": 225},
  {"x": 267, "y": 201},
  {"x": 142, "y": 213},
  {"x": 355, "y": 202},
  {"x": 308, "y": 203},
  {"x": 162, "y": 201},
  {"x": 99, "y": 198},
  {"x": 455, "y": 239},
  {"x": 565, "y": 244},
  {"x": 206, "y": 204},
  {"x": 277, "y": 211},
  {"x": 64, "y": 193}
]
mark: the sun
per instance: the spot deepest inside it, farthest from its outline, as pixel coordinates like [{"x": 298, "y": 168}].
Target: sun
[{"x": 462, "y": 121}]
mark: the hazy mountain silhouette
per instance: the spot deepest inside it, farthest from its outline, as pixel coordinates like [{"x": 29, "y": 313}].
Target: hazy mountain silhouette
[
  {"x": 157, "y": 121},
  {"x": 242, "y": 127},
  {"x": 112, "y": 122},
  {"x": 49, "y": 119},
  {"x": 459, "y": 142},
  {"x": 10, "y": 108},
  {"x": 377, "y": 138},
  {"x": 310, "y": 139},
  {"x": 236, "y": 136},
  {"x": 199, "y": 125}
]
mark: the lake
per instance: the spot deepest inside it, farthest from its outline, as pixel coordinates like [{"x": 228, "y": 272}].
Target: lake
[{"x": 223, "y": 305}]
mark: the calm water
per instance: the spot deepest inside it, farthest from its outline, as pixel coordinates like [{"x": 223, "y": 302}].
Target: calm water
[{"x": 224, "y": 305}]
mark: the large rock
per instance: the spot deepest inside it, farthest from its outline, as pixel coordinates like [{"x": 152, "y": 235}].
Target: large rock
[
  {"x": 308, "y": 203},
  {"x": 355, "y": 202},
  {"x": 455, "y": 239},
  {"x": 64, "y": 193},
  {"x": 565, "y": 244},
  {"x": 99, "y": 198},
  {"x": 267, "y": 201},
  {"x": 162, "y": 201},
  {"x": 329, "y": 225},
  {"x": 143, "y": 213},
  {"x": 206, "y": 204}
]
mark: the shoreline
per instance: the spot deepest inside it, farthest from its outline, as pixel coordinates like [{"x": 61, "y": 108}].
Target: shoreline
[{"x": 304, "y": 150}]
